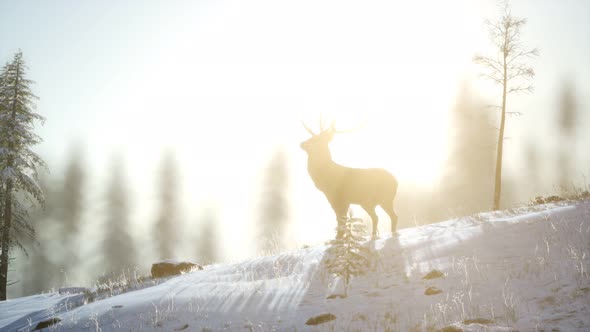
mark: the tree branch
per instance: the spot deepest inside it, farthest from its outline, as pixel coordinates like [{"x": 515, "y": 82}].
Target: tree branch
[
  {"x": 495, "y": 65},
  {"x": 491, "y": 77},
  {"x": 521, "y": 88},
  {"x": 12, "y": 283},
  {"x": 521, "y": 71},
  {"x": 527, "y": 54}
]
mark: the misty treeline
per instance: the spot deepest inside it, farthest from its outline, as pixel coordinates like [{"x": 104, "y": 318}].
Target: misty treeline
[
  {"x": 75, "y": 248},
  {"x": 274, "y": 204},
  {"x": 560, "y": 161},
  {"x": 467, "y": 183},
  {"x": 72, "y": 238}
]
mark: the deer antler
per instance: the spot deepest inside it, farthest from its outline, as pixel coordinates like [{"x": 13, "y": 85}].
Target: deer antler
[
  {"x": 308, "y": 129},
  {"x": 331, "y": 128},
  {"x": 322, "y": 129}
]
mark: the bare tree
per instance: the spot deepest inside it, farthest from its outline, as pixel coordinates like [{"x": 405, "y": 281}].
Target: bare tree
[{"x": 508, "y": 68}]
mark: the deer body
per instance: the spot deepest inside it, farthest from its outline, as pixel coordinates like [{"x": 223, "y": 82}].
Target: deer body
[{"x": 342, "y": 186}]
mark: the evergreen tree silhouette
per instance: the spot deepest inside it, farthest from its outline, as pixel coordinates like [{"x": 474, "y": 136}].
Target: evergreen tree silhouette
[
  {"x": 166, "y": 226},
  {"x": 118, "y": 246},
  {"x": 207, "y": 248},
  {"x": 274, "y": 208},
  {"x": 18, "y": 163}
]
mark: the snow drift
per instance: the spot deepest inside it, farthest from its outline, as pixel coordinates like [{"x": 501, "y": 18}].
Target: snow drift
[{"x": 520, "y": 269}]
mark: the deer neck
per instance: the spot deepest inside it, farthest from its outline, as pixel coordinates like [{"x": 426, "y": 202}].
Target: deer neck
[{"x": 322, "y": 169}]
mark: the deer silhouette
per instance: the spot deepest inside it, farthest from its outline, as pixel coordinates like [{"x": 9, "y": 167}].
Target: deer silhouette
[{"x": 367, "y": 187}]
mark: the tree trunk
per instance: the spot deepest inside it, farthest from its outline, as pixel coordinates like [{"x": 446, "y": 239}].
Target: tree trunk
[
  {"x": 498, "y": 180},
  {"x": 7, "y": 225}
]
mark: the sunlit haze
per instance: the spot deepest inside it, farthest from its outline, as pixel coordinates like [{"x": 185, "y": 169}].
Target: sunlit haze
[{"x": 225, "y": 83}]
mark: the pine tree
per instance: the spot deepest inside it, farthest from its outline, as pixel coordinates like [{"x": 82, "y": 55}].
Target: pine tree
[
  {"x": 207, "y": 250},
  {"x": 533, "y": 166},
  {"x": 273, "y": 220},
  {"x": 347, "y": 257},
  {"x": 41, "y": 273},
  {"x": 567, "y": 121},
  {"x": 18, "y": 173},
  {"x": 71, "y": 209},
  {"x": 167, "y": 224},
  {"x": 468, "y": 176},
  {"x": 119, "y": 249}
]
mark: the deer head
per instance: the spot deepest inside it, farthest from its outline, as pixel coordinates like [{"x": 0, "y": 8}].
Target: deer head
[{"x": 318, "y": 142}]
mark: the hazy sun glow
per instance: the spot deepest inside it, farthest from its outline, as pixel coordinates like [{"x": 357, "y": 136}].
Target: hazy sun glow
[
  {"x": 245, "y": 75},
  {"x": 242, "y": 77},
  {"x": 224, "y": 83}
]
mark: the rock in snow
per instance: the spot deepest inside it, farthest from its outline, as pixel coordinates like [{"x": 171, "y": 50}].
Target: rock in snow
[
  {"x": 434, "y": 274},
  {"x": 169, "y": 268},
  {"x": 432, "y": 291},
  {"x": 320, "y": 319},
  {"x": 46, "y": 323}
]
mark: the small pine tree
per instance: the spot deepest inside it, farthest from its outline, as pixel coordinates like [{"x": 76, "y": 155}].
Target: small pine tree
[{"x": 346, "y": 256}]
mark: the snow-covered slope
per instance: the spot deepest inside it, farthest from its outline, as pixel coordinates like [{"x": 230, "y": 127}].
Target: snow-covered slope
[{"x": 522, "y": 269}]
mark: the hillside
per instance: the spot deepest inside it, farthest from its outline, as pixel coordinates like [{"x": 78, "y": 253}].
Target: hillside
[{"x": 521, "y": 269}]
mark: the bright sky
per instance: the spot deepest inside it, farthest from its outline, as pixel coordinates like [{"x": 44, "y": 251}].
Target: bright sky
[{"x": 225, "y": 82}]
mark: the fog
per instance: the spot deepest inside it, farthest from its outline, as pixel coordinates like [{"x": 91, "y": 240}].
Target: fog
[
  {"x": 174, "y": 131},
  {"x": 76, "y": 215}
]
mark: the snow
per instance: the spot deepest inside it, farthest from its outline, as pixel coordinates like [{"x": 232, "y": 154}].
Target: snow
[
  {"x": 24, "y": 313},
  {"x": 523, "y": 269}
]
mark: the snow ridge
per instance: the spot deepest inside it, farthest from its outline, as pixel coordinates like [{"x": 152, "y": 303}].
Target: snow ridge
[{"x": 522, "y": 269}]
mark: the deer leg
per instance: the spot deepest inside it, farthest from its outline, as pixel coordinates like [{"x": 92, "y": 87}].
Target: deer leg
[
  {"x": 388, "y": 208},
  {"x": 371, "y": 211},
  {"x": 340, "y": 210}
]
